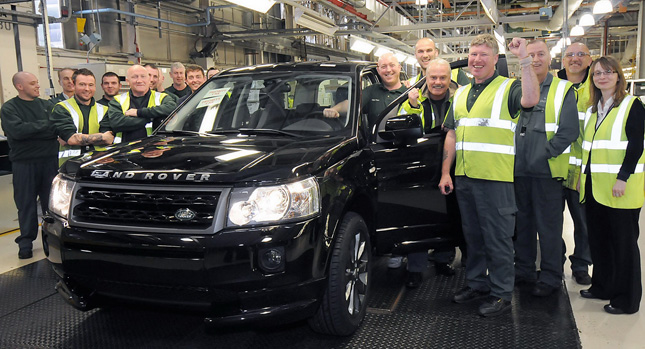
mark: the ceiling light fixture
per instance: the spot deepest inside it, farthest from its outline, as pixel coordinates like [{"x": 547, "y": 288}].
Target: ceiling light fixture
[
  {"x": 602, "y": 6},
  {"x": 261, "y": 6},
  {"x": 411, "y": 60},
  {"x": 318, "y": 24},
  {"x": 360, "y": 45},
  {"x": 400, "y": 56},
  {"x": 381, "y": 51},
  {"x": 587, "y": 20},
  {"x": 577, "y": 31}
]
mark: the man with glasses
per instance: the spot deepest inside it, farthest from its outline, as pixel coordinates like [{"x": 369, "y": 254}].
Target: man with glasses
[
  {"x": 542, "y": 135},
  {"x": 576, "y": 69}
]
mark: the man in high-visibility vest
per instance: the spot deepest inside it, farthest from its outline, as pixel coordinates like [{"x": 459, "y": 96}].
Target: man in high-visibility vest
[
  {"x": 425, "y": 51},
  {"x": 577, "y": 60},
  {"x": 481, "y": 136},
  {"x": 541, "y": 164},
  {"x": 77, "y": 119},
  {"x": 131, "y": 115},
  {"x": 433, "y": 104}
]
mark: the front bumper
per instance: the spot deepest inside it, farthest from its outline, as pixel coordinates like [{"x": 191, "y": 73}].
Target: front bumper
[{"x": 218, "y": 273}]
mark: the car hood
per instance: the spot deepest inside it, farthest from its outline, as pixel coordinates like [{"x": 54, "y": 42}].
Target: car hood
[{"x": 211, "y": 158}]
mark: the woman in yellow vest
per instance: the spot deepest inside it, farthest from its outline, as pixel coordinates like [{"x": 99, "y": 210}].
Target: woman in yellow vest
[{"x": 611, "y": 185}]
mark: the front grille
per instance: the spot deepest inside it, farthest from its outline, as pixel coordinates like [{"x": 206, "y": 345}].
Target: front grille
[{"x": 144, "y": 207}]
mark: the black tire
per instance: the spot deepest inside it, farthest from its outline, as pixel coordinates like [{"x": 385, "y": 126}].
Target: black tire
[{"x": 344, "y": 304}]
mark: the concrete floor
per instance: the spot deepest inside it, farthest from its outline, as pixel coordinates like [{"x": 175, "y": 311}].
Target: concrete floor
[{"x": 597, "y": 328}]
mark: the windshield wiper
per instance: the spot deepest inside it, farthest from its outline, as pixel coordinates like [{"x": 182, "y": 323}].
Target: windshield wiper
[
  {"x": 257, "y": 131},
  {"x": 183, "y": 132}
]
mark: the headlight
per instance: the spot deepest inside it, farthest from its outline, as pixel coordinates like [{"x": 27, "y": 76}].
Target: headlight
[
  {"x": 276, "y": 203},
  {"x": 61, "y": 196}
]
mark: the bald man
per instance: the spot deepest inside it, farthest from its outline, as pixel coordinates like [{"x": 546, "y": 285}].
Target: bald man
[
  {"x": 378, "y": 96},
  {"x": 134, "y": 114},
  {"x": 33, "y": 154},
  {"x": 425, "y": 51}
]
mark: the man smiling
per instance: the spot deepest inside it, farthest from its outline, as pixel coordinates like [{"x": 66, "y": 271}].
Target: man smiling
[{"x": 131, "y": 115}]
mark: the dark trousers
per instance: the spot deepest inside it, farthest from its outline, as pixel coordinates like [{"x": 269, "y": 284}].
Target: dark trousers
[
  {"x": 488, "y": 219},
  {"x": 581, "y": 257},
  {"x": 31, "y": 180},
  {"x": 613, "y": 241},
  {"x": 539, "y": 205}
]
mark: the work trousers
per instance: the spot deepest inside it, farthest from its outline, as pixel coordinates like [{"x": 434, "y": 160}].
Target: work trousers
[
  {"x": 539, "y": 205},
  {"x": 31, "y": 180},
  {"x": 488, "y": 219},
  {"x": 613, "y": 242},
  {"x": 581, "y": 257}
]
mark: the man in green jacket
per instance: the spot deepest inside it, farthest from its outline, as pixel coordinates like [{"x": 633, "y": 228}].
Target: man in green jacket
[
  {"x": 33, "y": 149},
  {"x": 131, "y": 115},
  {"x": 77, "y": 119}
]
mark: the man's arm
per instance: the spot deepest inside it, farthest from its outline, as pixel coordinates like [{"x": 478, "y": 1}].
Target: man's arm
[
  {"x": 91, "y": 139},
  {"x": 63, "y": 122},
  {"x": 14, "y": 125},
  {"x": 568, "y": 128},
  {"x": 445, "y": 185},
  {"x": 336, "y": 110},
  {"x": 118, "y": 122},
  {"x": 164, "y": 109},
  {"x": 530, "y": 84}
]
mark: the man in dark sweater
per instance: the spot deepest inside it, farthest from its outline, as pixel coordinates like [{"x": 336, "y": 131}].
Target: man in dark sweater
[
  {"x": 65, "y": 81},
  {"x": 33, "y": 155},
  {"x": 179, "y": 88},
  {"x": 131, "y": 115},
  {"x": 111, "y": 85}
]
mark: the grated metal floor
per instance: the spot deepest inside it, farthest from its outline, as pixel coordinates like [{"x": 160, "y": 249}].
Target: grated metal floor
[{"x": 33, "y": 315}]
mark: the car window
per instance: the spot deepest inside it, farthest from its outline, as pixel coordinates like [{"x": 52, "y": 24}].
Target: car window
[{"x": 292, "y": 102}]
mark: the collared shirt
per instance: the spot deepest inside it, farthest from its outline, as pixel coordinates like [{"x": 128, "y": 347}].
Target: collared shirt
[
  {"x": 514, "y": 99},
  {"x": 376, "y": 98}
]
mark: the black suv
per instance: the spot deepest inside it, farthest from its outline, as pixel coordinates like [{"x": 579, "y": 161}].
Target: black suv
[{"x": 249, "y": 204}]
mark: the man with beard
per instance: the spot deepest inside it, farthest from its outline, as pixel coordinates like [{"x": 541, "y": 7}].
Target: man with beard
[
  {"x": 577, "y": 60},
  {"x": 131, "y": 115},
  {"x": 543, "y": 134},
  {"x": 77, "y": 119},
  {"x": 111, "y": 85}
]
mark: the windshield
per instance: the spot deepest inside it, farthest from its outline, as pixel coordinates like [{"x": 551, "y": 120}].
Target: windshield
[{"x": 292, "y": 102}]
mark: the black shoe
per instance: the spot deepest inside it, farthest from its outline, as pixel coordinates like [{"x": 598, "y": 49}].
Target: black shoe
[
  {"x": 414, "y": 279},
  {"x": 494, "y": 306},
  {"x": 25, "y": 254},
  {"x": 613, "y": 310},
  {"x": 543, "y": 290},
  {"x": 444, "y": 269},
  {"x": 468, "y": 294},
  {"x": 522, "y": 280},
  {"x": 587, "y": 294},
  {"x": 582, "y": 277}
]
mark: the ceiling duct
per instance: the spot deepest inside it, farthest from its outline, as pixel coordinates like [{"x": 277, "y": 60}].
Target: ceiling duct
[{"x": 556, "y": 21}]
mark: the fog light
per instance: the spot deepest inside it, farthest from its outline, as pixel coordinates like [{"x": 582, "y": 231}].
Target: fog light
[{"x": 272, "y": 259}]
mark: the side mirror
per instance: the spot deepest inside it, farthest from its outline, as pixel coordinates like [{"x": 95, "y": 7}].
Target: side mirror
[{"x": 402, "y": 129}]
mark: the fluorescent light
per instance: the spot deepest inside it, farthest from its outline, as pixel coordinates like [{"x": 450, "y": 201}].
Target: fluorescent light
[
  {"x": 314, "y": 23},
  {"x": 400, "y": 56},
  {"x": 602, "y": 6},
  {"x": 421, "y": 2},
  {"x": 577, "y": 31},
  {"x": 361, "y": 46},
  {"x": 411, "y": 60},
  {"x": 555, "y": 50},
  {"x": 381, "y": 51},
  {"x": 501, "y": 42},
  {"x": 261, "y": 6},
  {"x": 587, "y": 20}
]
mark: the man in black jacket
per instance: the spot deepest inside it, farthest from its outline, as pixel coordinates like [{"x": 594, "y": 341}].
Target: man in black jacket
[{"x": 33, "y": 155}]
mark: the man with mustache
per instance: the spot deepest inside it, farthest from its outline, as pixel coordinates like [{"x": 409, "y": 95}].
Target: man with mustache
[
  {"x": 432, "y": 105},
  {"x": 577, "y": 60},
  {"x": 542, "y": 135}
]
